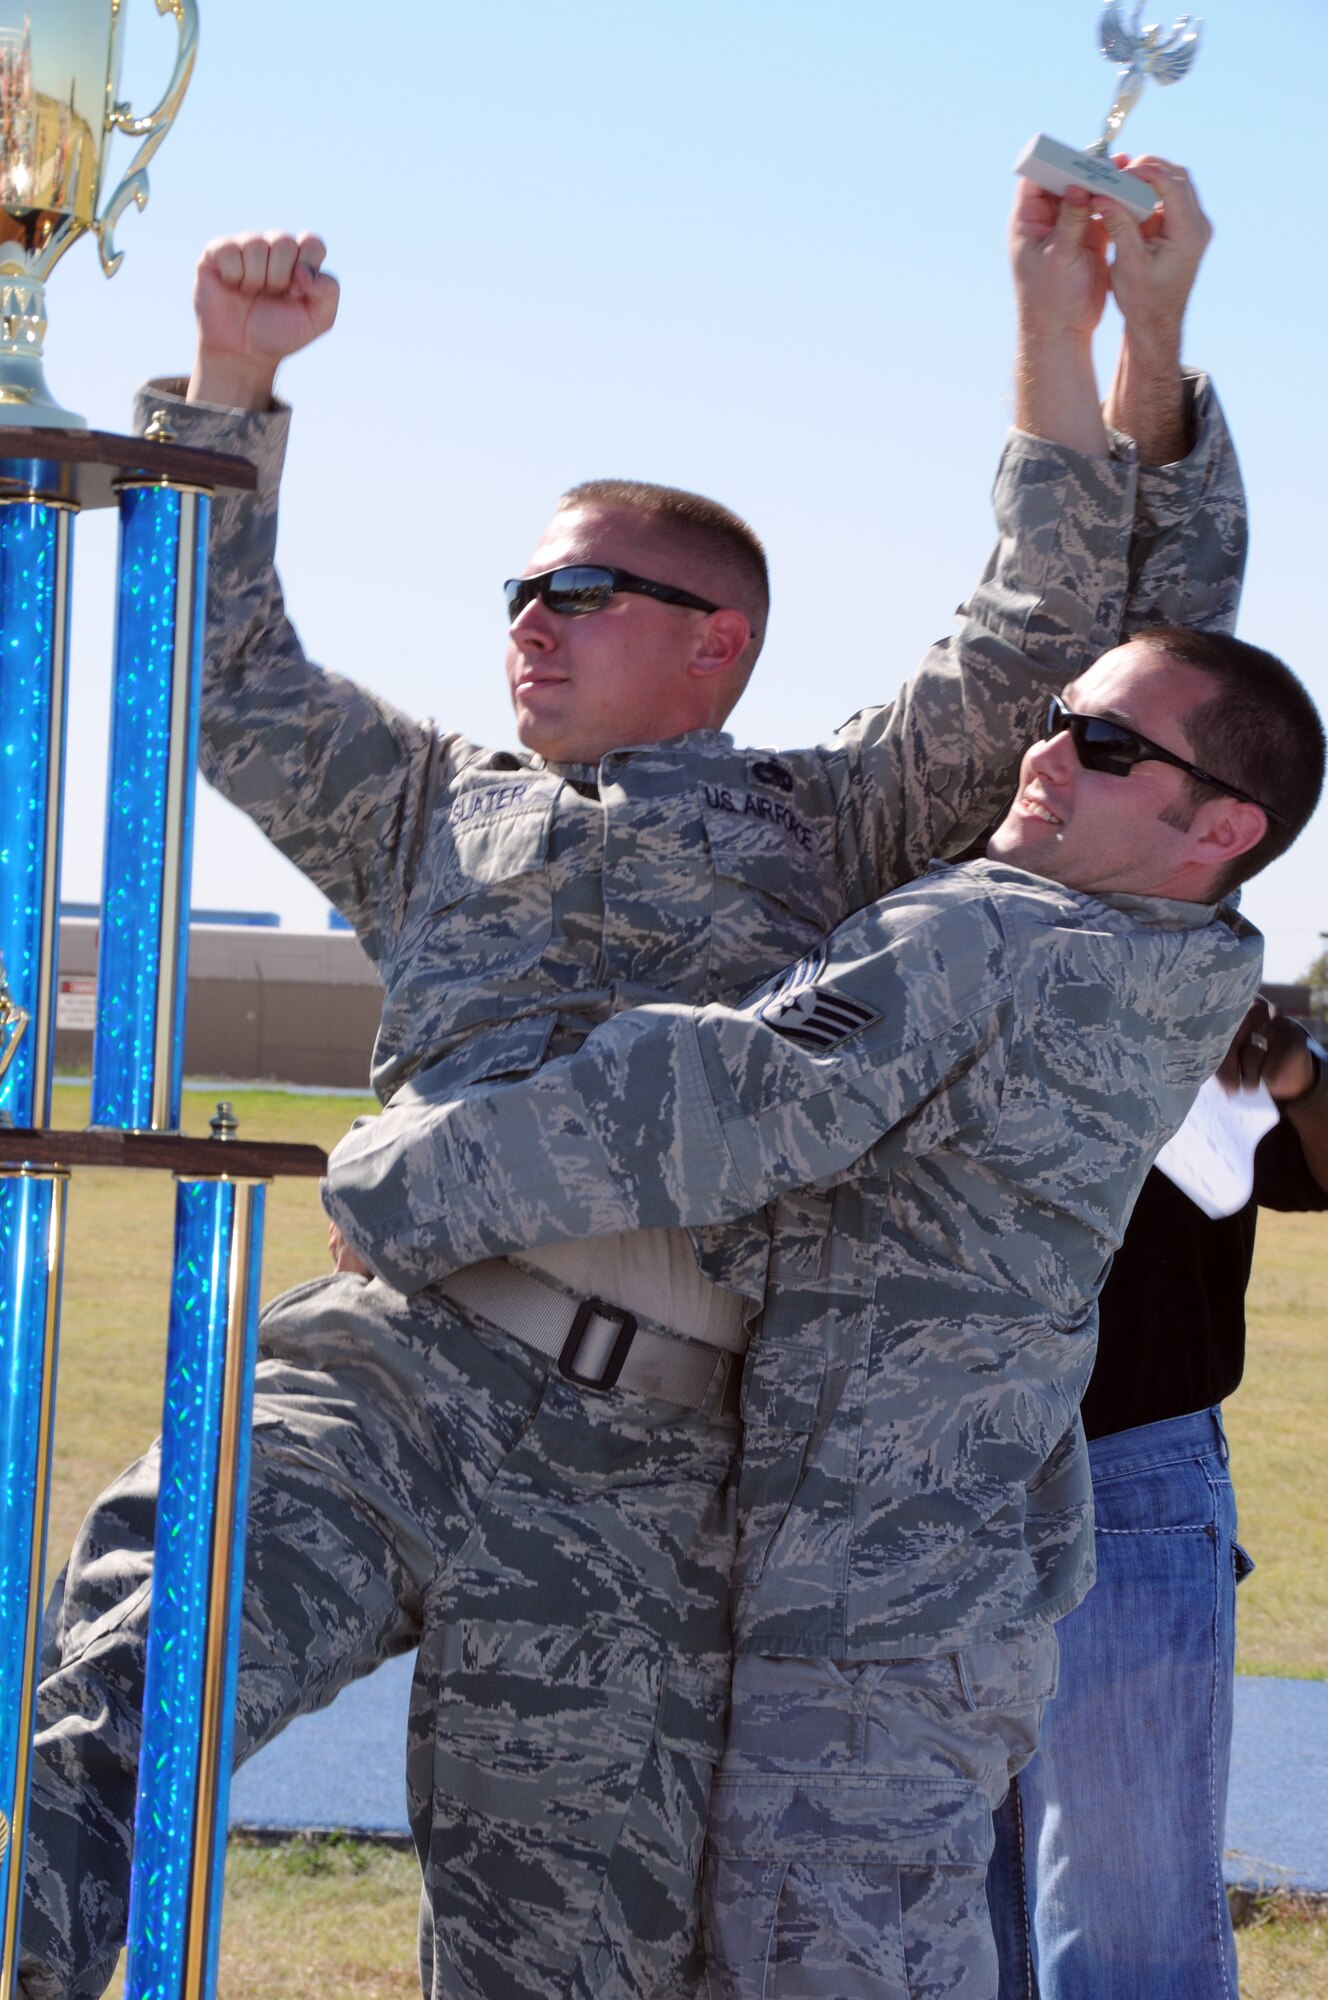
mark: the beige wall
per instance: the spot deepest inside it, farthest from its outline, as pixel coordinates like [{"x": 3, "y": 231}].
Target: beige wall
[{"x": 261, "y": 1004}]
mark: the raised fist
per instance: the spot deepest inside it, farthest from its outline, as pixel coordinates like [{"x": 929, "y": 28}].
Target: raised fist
[{"x": 257, "y": 299}]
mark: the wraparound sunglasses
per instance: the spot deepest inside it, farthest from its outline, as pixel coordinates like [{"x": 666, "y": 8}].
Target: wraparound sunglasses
[
  {"x": 578, "y": 588},
  {"x": 1102, "y": 745}
]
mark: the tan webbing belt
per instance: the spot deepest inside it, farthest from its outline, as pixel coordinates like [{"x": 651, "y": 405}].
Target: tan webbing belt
[{"x": 597, "y": 1345}]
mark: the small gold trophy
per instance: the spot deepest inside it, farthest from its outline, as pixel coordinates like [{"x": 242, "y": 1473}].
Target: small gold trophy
[
  {"x": 59, "y": 110},
  {"x": 1165, "y": 54}
]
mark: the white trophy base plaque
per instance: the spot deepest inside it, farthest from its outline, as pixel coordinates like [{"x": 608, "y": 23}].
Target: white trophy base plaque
[{"x": 1056, "y": 167}]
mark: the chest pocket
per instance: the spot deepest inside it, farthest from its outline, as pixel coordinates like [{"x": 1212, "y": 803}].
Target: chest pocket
[
  {"x": 488, "y": 902},
  {"x": 773, "y": 895}
]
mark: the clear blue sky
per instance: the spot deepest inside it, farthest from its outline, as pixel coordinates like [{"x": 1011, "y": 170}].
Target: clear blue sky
[{"x": 756, "y": 249}]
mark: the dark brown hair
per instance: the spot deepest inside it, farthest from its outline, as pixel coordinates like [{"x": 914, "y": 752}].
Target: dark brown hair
[{"x": 1259, "y": 730}]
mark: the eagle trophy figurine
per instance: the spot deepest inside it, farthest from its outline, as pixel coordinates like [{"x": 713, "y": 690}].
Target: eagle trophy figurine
[{"x": 1165, "y": 54}]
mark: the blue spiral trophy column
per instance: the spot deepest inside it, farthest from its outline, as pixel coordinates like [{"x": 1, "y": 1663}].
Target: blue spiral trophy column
[
  {"x": 32, "y": 1211},
  {"x": 36, "y": 535},
  {"x": 142, "y": 960},
  {"x": 198, "y": 1582},
  {"x": 36, "y": 545}
]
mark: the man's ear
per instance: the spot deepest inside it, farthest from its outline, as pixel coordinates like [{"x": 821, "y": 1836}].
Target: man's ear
[
  {"x": 1226, "y": 829},
  {"x": 721, "y": 643}
]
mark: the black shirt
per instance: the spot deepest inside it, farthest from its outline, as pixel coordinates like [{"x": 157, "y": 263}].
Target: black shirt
[{"x": 1172, "y": 1336}]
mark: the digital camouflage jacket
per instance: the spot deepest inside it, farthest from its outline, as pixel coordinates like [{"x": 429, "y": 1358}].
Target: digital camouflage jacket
[
  {"x": 968, "y": 1085},
  {"x": 510, "y": 905}
]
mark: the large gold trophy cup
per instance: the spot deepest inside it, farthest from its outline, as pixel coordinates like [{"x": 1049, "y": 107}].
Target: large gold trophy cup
[{"x": 59, "y": 112}]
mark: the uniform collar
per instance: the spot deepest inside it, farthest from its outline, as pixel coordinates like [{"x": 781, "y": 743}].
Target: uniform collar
[
  {"x": 1166, "y": 913},
  {"x": 710, "y": 739}
]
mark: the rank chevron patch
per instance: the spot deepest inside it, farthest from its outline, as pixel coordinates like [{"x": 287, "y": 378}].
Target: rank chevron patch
[{"x": 812, "y": 1015}]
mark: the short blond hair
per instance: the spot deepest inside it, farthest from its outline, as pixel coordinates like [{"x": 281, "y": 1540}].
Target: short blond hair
[{"x": 717, "y": 546}]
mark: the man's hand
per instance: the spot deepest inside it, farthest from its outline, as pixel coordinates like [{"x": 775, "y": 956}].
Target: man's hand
[
  {"x": 1156, "y": 261},
  {"x": 257, "y": 299},
  {"x": 1153, "y": 269},
  {"x": 344, "y": 1259},
  {"x": 1272, "y": 1049},
  {"x": 1058, "y": 251}
]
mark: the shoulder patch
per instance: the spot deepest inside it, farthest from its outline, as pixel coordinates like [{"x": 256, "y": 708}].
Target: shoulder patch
[
  {"x": 817, "y": 1018},
  {"x": 814, "y": 1016}
]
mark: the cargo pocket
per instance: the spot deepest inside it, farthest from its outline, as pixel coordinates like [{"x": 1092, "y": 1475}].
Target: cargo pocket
[{"x": 842, "y": 1886}]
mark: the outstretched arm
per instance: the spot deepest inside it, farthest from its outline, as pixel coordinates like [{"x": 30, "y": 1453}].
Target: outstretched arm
[
  {"x": 335, "y": 777},
  {"x": 1187, "y": 556},
  {"x": 257, "y": 299},
  {"x": 1152, "y": 275},
  {"x": 670, "y": 1116},
  {"x": 926, "y": 774},
  {"x": 1058, "y": 251}
]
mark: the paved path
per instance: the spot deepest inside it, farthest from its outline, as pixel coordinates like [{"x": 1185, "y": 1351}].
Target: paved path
[
  {"x": 345, "y": 1768},
  {"x": 1277, "y": 1815}
]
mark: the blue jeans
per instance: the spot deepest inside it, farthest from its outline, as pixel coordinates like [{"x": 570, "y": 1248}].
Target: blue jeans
[{"x": 1106, "y": 1881}]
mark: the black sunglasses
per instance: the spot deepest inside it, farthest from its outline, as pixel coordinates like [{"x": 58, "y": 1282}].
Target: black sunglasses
[
  {"x": 1102, "y": 745},
  {"x": 577, "y": 588}
]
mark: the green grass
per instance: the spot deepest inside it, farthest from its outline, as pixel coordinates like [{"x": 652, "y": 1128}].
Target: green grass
[
  {"x": 117, "y": 1285},
  {"x": 1283, "y": 1949},
  {"x": 1278, "y": 1421},
  {"x": 334, "y": 1918},
  {"x": 337, "y": 1918}
]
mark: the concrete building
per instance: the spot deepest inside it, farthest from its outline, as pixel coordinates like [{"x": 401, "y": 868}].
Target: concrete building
[{"x": 262, "y": 1004}]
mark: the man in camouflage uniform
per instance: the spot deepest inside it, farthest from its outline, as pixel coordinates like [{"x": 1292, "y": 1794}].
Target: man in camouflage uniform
[
  {"x": 422, "y": 1472},
  {"x": 969, "y": 1086}
]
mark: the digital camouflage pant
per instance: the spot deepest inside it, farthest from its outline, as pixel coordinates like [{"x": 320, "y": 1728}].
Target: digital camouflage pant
[
  {"x": 851, "y": 1822},
  {"x": 562, "y": 1560}
]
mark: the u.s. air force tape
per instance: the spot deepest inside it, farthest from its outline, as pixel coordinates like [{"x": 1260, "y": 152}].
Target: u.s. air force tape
[{"x": 813, "y": 1015}]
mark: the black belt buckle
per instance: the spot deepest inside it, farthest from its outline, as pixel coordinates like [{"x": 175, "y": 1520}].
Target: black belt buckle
[{"x": 596, "y": 1309}]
